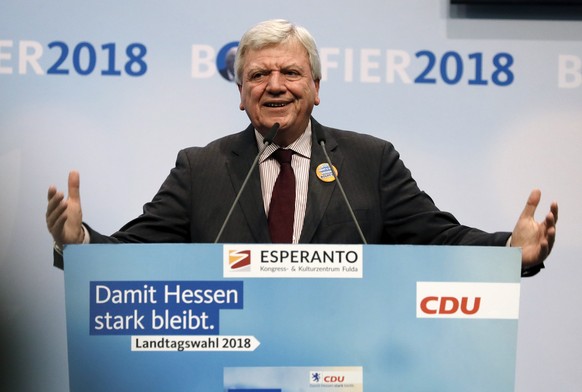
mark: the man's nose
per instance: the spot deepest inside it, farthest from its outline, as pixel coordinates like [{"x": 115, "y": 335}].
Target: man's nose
[{"x": 276, "y": 82}]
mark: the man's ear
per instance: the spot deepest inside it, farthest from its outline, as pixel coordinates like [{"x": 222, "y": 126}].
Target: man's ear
[{"x": 240, "y": 105}]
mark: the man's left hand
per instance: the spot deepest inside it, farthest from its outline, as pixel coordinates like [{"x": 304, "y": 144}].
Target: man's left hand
[{"x": 536, "y": 239}]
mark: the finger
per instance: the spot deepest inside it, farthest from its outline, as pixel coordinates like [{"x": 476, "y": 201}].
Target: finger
[
  {"x": 74, "y": 184},
  {"x": 57, "y": 229},
  {"x": 51, "y": 192},
  {"x": 554, "y": 210},
  {"x": 54, "y": 214},
  {"x": 53, "y": 203},
  {"x": 551, "y": 236},
  {"x": 532, "y": 203},
  {"x": 550, "y": 220}
]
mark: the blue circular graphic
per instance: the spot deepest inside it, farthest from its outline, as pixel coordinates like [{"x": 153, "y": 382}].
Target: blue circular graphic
[{"x": 225, "y": 60}]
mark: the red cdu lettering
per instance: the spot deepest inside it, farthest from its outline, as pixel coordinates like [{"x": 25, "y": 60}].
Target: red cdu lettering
[
  {"x": 424, "y": 305},
  {"x": 476, "y": 305},
  {"x": 334, "y": 378},
  {"x": 449, "y": 305}
]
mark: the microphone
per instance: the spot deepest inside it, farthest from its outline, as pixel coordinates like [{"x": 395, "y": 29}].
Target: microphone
[
  {"x": 267, "y": 141},
  {"x": 321, "y": 141}
]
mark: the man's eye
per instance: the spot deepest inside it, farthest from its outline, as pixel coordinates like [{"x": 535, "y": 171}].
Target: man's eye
[
  {"x": 292, "y": 74},
  {"x": 257, "y": 75}
]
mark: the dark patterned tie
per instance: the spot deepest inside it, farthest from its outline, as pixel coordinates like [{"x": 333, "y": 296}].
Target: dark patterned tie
[{"x": 282, "y": 208}]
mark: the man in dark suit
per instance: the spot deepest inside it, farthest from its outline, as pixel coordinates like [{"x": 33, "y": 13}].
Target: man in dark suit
[{"x": 277, "y": 71}]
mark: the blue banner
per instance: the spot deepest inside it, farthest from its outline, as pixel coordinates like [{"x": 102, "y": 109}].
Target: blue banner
[{"x": 177, "y": 317}]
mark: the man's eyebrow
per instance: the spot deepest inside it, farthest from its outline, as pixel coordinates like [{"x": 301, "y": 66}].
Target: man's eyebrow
[
  {"x": 270, "y": 68},
  {"x": 293, "y": 65}
]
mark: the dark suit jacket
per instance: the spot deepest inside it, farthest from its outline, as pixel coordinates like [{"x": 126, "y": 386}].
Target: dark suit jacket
[{"x": 195, "y": 198}]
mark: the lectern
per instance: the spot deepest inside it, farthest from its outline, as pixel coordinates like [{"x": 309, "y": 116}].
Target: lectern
[{"x": 291, "y": 318}]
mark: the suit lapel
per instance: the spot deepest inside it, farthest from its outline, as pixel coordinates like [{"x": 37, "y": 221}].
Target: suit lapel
[
  {"x": 319, "y": 192},
  {"x": 251, "y": 201}
]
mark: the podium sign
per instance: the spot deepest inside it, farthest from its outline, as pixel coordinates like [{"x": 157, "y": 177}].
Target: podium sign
[{"x": 237, "y": 318}]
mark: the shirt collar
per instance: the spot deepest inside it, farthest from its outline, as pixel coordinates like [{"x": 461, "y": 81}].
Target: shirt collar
[{"x": 301, "y": 146}]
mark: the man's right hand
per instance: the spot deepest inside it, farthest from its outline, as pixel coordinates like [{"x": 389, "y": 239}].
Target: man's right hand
[{"x": 64, "y": 217}]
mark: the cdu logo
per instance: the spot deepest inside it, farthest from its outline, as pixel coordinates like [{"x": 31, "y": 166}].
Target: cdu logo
[{"x": 474, "y": 300}]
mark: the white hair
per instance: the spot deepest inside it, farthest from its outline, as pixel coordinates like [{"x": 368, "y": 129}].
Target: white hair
[{"x": 273, "y": 32}]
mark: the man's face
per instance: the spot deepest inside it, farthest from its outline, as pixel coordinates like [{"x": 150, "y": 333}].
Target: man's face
[{"x": 277, "y": 86}]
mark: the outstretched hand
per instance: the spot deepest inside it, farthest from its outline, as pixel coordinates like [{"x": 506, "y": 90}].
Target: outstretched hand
[
  {"x": 536, "y": 239},
  {"x": 64, "y": 216}
]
